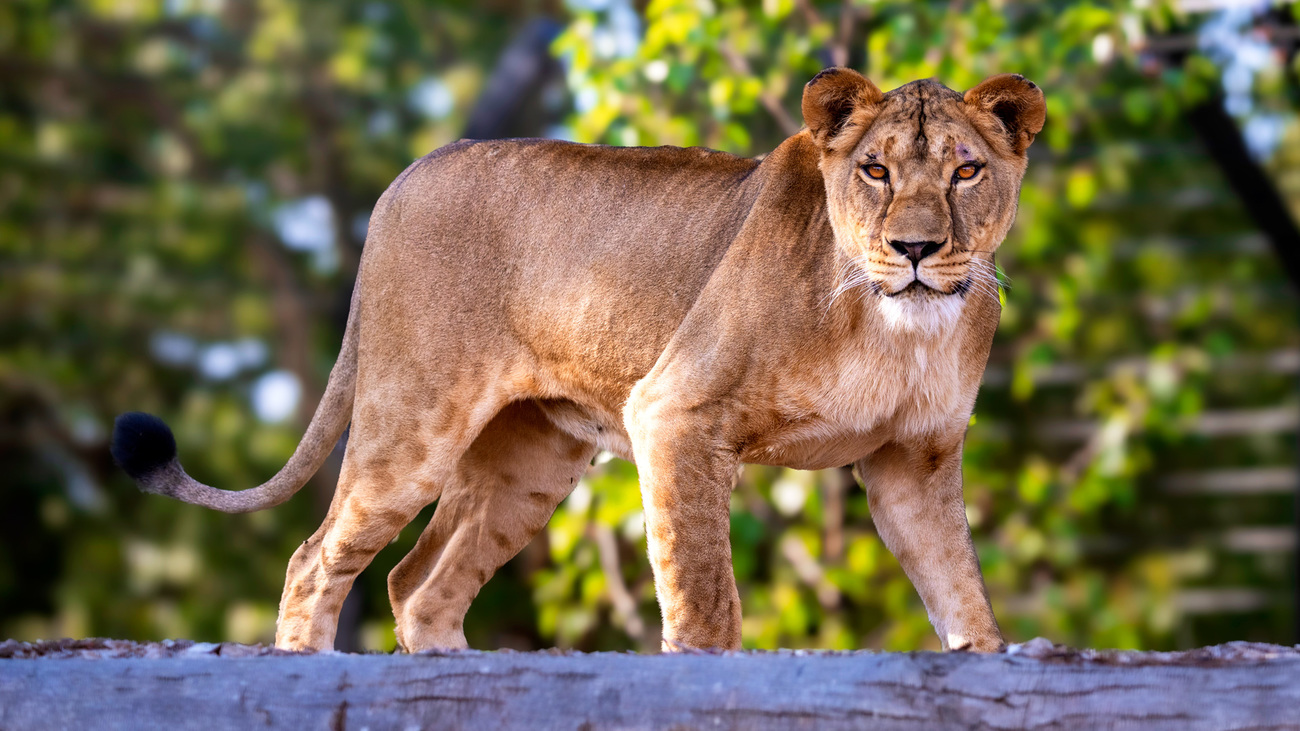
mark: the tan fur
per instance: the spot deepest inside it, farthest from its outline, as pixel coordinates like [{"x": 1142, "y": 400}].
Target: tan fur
[{"x": 522, "y": 304}]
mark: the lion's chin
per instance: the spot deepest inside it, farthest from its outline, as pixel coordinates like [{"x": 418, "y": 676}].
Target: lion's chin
[{"x": 919, "y": 308}]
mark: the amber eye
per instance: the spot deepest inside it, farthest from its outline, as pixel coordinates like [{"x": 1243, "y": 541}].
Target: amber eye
[
  {"x": 877, "y": 172},
  {"x": 966, "y": 172}
]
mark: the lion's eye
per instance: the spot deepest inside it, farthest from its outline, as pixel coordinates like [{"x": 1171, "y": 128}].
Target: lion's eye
[
  {"x": 877, "y": 172},
  {"x": 966, "y": 172}
]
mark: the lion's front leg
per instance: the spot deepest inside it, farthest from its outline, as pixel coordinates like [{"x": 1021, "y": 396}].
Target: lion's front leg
[
  {"x": 686, "y": 481},
  {"x": 916, "y": 503}
]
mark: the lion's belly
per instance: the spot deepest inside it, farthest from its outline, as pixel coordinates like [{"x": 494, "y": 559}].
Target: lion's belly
[
  {"x": 836, "y": 422},
  {"x": 805, "y": 447},
  {"x": 812, "y": 451},
  {"x": 833, "y": 438},
  {"x": 592, "y": 425}
]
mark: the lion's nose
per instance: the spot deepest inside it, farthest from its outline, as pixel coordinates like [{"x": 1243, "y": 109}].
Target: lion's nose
[{"x": 915, "y": 250}]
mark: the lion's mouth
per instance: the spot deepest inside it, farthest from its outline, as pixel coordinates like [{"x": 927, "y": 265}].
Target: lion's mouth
[{"x": 917, "y": 288}]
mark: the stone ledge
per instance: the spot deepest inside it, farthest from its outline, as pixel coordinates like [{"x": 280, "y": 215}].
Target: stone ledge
[{"x": 181, "y": 684}]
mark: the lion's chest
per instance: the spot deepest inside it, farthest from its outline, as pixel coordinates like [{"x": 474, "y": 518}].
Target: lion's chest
[{"x": 871, "y": 396}]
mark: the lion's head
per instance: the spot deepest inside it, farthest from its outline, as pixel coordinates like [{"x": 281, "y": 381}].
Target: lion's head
[{"x": 921, "y": 184}]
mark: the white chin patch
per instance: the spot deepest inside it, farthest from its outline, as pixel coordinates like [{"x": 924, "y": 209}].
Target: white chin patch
[{"x": 927, "y": 315}]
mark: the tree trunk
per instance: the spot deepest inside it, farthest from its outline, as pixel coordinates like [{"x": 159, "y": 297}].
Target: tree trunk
[{"x": 184, "y": 685}]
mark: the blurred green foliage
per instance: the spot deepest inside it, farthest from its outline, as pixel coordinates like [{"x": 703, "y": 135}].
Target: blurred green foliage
[{"x": 150, "y": 152}]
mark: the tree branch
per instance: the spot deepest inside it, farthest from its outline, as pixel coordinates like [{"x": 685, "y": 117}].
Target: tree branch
[{"x": 771, "y": 102}]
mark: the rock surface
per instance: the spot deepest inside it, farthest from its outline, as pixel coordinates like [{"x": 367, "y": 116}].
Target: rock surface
[{"x": 182, "y": 684}]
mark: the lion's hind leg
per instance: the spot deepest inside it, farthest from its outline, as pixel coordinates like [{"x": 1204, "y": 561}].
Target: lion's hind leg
[
  {"x": 395, "y": 465},
  {"x": 360, "y": 523},
  {"x": 507, "y": 486}
]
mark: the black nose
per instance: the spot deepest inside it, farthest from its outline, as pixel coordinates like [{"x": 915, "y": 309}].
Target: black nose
[{"x": 915, "y": 250}]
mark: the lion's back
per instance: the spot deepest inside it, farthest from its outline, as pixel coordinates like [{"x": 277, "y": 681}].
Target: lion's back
[{"x": 604, "y": 249}]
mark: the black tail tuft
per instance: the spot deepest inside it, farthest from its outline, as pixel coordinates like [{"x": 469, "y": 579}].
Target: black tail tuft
[{"x": 142, "y": 444}]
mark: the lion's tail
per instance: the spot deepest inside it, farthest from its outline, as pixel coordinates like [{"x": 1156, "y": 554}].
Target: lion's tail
[{"x": 146, "y": 450}]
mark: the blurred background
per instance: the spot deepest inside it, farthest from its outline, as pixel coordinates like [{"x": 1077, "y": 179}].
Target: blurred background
[{"x": 184, "y": 195}]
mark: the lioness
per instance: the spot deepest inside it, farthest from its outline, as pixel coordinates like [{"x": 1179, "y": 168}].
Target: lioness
[{"x": 522, "y": 304}]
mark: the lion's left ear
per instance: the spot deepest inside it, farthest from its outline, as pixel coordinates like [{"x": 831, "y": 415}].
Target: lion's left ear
[
  {"x": 1015, "y": 101},
  {"x": 831, "y": 96}
]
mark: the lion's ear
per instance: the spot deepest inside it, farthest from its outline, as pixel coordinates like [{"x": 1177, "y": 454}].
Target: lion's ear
[
  {"x": 1014, "y": 101},
  {"x": 831, "y": 96}
]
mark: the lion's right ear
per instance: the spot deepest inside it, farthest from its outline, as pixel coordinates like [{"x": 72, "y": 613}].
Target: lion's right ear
[
  {"x": 831, "y": 97},
  {"x": 1016, "y": 102}
]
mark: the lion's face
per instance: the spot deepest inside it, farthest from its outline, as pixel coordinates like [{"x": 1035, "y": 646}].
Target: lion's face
[{"x": 921, "y": 184}]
